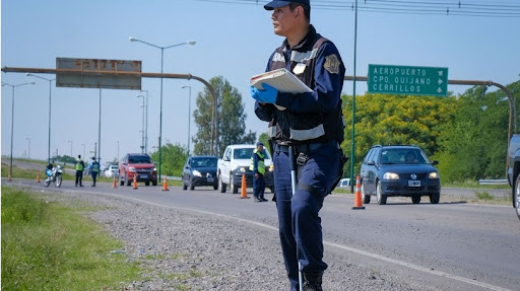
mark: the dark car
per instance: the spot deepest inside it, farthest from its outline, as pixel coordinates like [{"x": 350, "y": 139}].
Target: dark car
[
  {"x": 399, "y": 170},
  {"x": 200, "y": 171}
]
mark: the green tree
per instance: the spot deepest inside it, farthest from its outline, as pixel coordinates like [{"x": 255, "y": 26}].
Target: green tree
[
  {"x": 230, "y": 117},
  {"x": 468, "y": 135},
  {"x": 474, "y": 145},
  {"x": 64, "y": 159},
  {"x": 173, "y": 159},
  {"x": 394, "y": 119},
  {"x": 264, "y": 138}
]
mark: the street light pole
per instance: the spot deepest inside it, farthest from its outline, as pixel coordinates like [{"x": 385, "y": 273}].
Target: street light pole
[
  {"x": 50, "y": 102},
  {"x": 146, "y": 124},
  {"x": 69, "y": 141},
  {"x": 117, "y": 150},
  {"x": 83, "y": 149},
  {"x": 189, "y": 116},
  {"x": 142, "y": 123},
  {"x": 12, "y": 124},
  {"x": 28, "y": 147},
  {"x": 99, "y": 132},
  {"x": 162, "y": 48}
]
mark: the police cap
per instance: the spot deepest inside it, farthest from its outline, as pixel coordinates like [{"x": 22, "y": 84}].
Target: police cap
[
  {"x": 259, "y": 144},
  {"x": 281, "y": 3}
]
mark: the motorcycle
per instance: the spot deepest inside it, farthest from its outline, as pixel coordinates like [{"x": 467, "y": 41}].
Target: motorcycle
[{"x": 55, "y": 175}]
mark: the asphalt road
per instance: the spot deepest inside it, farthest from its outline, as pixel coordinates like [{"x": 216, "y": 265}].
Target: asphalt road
[
  {"x": 448, "y": 246},
  {"x": 454, "y": 192}
]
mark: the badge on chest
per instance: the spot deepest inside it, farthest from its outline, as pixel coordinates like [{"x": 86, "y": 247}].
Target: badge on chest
[{"x": 299, "y": 69}]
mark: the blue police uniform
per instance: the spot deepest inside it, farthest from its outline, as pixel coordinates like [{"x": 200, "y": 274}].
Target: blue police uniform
[{"x": 312, "y": 124}]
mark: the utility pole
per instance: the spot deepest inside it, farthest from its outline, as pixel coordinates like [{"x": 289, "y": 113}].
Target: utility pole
[{"x": 95, "y": 150}]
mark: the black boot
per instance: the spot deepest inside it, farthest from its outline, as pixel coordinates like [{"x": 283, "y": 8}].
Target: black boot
[{"x": 312, "y": 281}]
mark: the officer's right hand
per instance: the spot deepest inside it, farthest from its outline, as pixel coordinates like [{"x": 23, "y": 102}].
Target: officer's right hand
[
  {"x": 255, "y": 93},
  {"x": 268, "y": 95}
]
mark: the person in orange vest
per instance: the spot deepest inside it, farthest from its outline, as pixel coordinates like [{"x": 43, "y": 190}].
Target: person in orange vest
[{"x": 258, "y": 168}]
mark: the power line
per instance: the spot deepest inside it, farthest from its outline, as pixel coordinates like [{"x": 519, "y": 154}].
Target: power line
[
  {"x": 422, "y": 7},
  {"x": 449, "y": 8},
  {"x": 438, "y": 13},
  {"x": 451, "y": 3}
]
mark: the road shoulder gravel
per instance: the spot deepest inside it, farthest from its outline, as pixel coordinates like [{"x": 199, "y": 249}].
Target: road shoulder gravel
[{"x": 183, "y": 250}]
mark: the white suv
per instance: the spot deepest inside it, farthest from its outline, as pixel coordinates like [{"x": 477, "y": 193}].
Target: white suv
[{"x": 235, "y": 163}]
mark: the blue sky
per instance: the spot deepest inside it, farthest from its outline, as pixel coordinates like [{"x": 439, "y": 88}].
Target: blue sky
[{"x": 234, "y": 40}]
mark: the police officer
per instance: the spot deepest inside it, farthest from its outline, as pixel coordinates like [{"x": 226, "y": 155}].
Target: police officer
[
  {"x": 258, "y": 168},
  {"x": 49, "y": 168},
  {"x": 94, "y": 170},
  {"x": 80, "y": 165},
  {"x": 308, "y": 125},
  {"x": 50, "y": 165}
]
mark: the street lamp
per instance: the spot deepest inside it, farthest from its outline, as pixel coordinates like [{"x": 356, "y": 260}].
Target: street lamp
[
  {"x": 69, "y": 141},
  {"x": 117, "y": 150},
  {"x": 50, "y": 98},
  {"x": 146, "y": 124},
  {"x": 189, "y": 115},
  {"x": 28, "y": 147},
  {"x": 142, "y": 123},
  {"x": 83, "y": 149},
  {"x": 12, "y": 124},
  {"x": 162, "y": 48}
]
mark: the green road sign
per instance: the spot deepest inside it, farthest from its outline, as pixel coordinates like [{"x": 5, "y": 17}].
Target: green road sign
[{"x": 407, "y": 80}]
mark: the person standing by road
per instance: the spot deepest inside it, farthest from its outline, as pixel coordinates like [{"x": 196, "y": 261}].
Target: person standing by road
[
  {"x": 258, "y": 168},
  {"x": 308, "y": 126},
  {"x": 94, "y": 170},
  {"x": 49, "y": 168},
  {"x": 80, "y": 165}
]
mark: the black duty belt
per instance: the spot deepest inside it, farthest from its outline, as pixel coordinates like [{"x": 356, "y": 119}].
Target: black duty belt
[{"x": 304, "y": 148}]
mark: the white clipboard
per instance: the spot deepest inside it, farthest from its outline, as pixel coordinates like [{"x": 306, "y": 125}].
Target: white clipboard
[{"x": 282, "y": 80}]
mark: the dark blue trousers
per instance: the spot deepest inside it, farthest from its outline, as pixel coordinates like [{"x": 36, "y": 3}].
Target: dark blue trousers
[
  {"x": 94, "y": 176},
  {"x": 298, "y": 216},
  {"x": 259, "y": 186}
]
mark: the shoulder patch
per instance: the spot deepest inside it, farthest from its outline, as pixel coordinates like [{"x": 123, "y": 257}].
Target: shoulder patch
[{"x": 332, "y": 64}]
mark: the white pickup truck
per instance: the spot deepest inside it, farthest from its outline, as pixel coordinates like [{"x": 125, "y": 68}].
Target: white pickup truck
[{"x": 235, "y": 163}]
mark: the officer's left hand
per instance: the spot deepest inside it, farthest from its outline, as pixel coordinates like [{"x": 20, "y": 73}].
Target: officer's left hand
[{"x": 268, "y": 95}]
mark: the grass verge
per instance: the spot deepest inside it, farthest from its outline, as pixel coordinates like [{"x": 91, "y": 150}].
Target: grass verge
[
  {"x": 25, "y": 174},
  {"x": 48, "y": 246}
]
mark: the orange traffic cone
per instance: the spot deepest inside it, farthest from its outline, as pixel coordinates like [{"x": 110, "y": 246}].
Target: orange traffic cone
[
  {"x": 135, "y": 182},
  {"x": 358, "y": 204},
  {"x": 114, "y": 184},
  {"x": 165, "y": 185},
  {"x": 38, "y": 179},
  {"x": 244, "y": 188}
]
